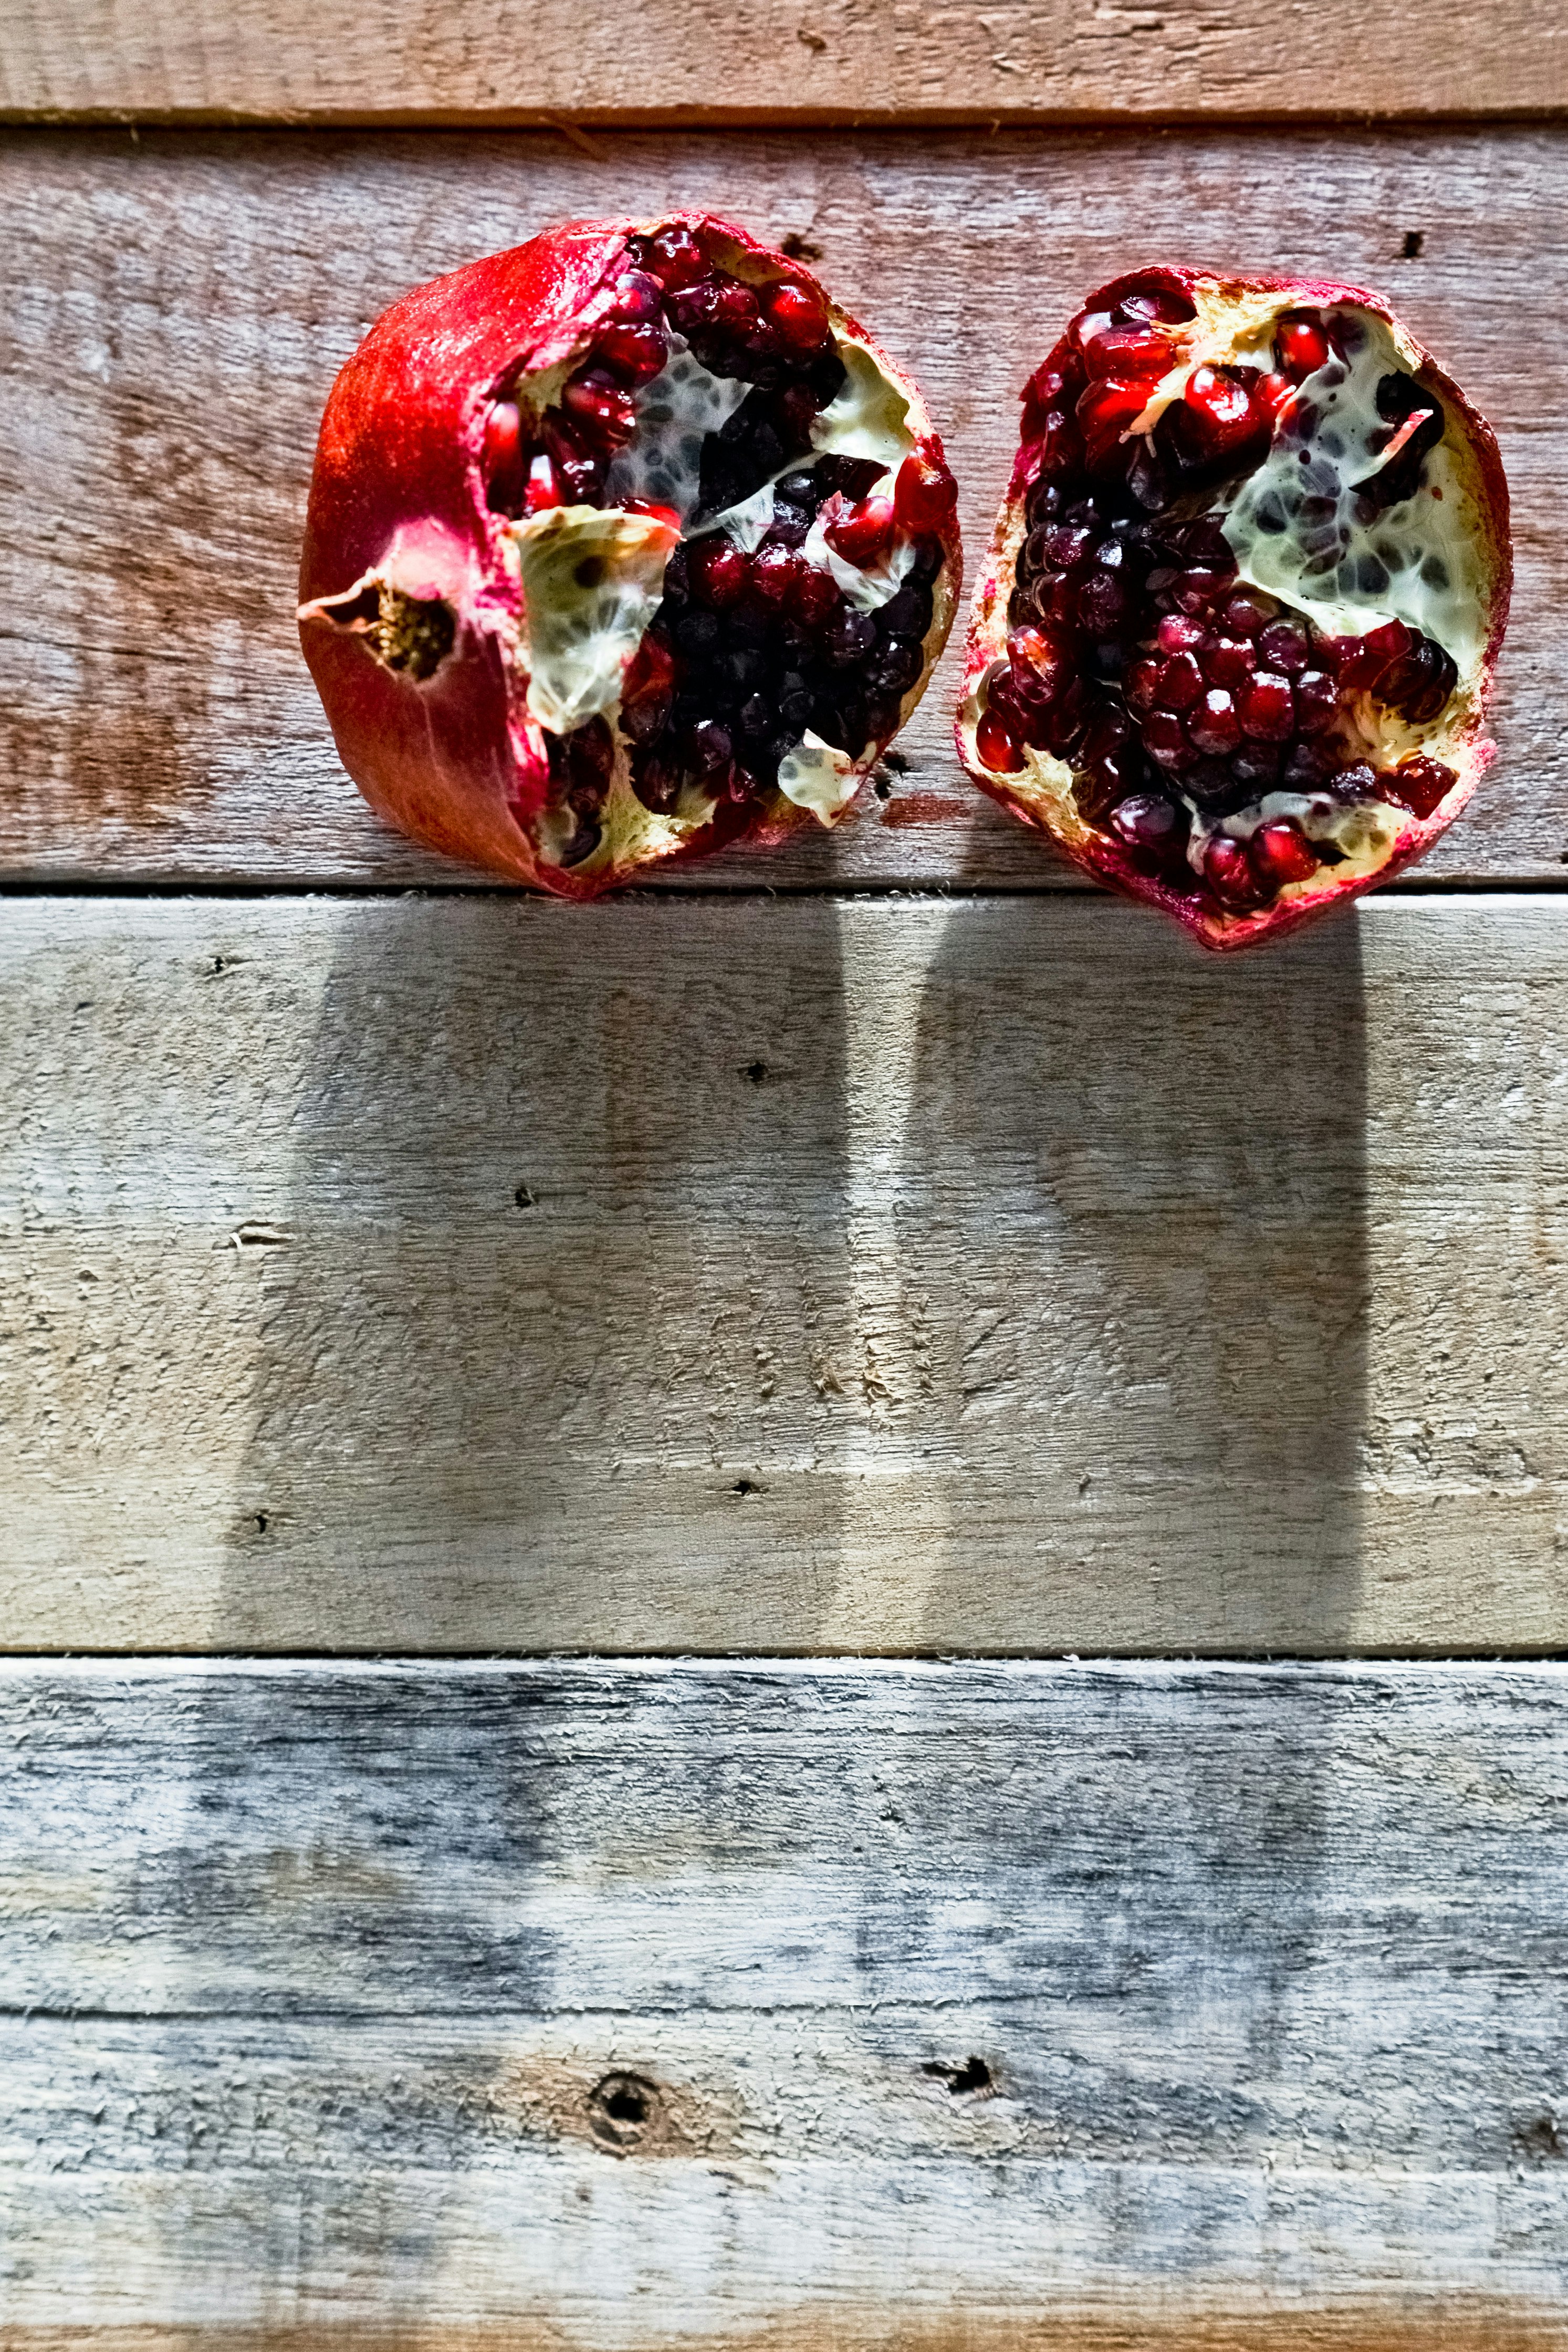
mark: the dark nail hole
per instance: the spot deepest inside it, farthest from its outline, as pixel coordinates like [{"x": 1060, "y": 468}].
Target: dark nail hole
[
  {"x": 897, "y": 761},
  {"x": 1542, "y": 2139},
  {"x": 798, "y": 247},
  {"x": 524, "y": 1198},
  {"x": 974, "y": 2074},
  {"x": 756, "y": 1072},
  {"x": 744, "y": 1486},
  {"x": 881, "y": 784},
  {"x": 261, "y": 1523},
  {"x": 1414, "y": 238},
  {"x": 622, "y": 2109}
]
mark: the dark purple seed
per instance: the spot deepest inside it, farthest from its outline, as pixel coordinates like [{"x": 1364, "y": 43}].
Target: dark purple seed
[{"x": 849, "y": 639}]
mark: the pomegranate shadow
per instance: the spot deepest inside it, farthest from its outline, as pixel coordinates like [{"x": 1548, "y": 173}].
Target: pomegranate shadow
[{"x": 1151, "y": 1167}]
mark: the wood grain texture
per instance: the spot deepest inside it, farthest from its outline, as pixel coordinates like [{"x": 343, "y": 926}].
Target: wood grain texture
[
  {"x": 966, "y": 2007},
  {"x": 746, "y": 1275},
  {"x": 820, "y": 60},
  {"x": 174, "y": 311}
]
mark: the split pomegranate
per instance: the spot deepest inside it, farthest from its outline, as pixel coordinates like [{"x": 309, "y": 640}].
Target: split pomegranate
[
  {"x": 621, "y": 546},
  {"x": 1234, "y": 639}
]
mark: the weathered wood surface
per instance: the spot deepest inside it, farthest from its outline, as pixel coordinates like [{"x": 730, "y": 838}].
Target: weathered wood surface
[
  {"x": 1196, "y": 2006},
  {"x": 475, "y": 61},
  {"x": 174, "y": 312},
  {"x": 747, "y": 1275}
]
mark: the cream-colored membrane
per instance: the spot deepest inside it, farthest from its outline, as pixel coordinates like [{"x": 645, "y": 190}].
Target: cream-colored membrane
[{"x": 596, "y": 583}]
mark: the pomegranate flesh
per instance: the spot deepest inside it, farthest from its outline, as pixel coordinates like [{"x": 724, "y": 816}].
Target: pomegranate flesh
[
  {"x": 1234, "y": 640},
  {"x": 621, "y": 546}
]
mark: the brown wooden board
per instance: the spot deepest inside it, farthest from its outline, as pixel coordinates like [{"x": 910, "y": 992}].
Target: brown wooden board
[
  {"x": 819, "y": 60},
  {"x": 174, "y": 308},
  {"x": 748, "y": 1274},
  {"x": 811, "y": 2008}
]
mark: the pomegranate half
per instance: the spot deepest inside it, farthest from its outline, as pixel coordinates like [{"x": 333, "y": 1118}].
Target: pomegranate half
[
  {"x": 1234, "y": 638},
  {"x": 621, "y": 545}
]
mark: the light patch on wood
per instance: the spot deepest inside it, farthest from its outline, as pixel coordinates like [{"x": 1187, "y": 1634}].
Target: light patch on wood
[{"x": 624, "y": 2008}]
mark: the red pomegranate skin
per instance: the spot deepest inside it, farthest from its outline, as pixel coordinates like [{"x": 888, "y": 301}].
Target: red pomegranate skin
[
  {"x": 398, "y": 497},
  {"x": 1465, "y": 746}
]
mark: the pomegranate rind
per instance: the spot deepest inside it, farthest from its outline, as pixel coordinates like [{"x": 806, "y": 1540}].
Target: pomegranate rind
[
  {"x": 1468, "y": 748},
  {"x": 397, "y": 498}
]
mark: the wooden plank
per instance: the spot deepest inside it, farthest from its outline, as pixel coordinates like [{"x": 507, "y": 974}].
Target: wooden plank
[
  {"x": 176, "y": 309},
  {"x": 828, "y": 62},
  {"x": 966, "y": 2006},
  {"x": 745, "y": 1275}
]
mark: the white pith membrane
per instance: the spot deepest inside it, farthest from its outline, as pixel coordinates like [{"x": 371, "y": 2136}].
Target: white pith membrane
[
  {"x": 1420, "y": 562},
  {"x": 592, "y": 577}
]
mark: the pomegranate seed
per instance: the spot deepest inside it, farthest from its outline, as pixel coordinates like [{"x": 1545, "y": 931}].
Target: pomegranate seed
[
  {"x": 735, "y": 309},
  {"x": 1300, "y": 346},
  {"x": 598, "y": 403},
  {"x": 667, "y": 515},
  {"x": 1027, "y": 720},
  {"x": 1220, "y": 402},
  {"x": 1061, "y": 444},
  {"x": 773, "y": 570},
  {"x": 1283, "y": 645},
  {"x": 997, "y": 748},
  {"x": 1145, "y": 820},
  {"x": 1067, "y": 544},
  {"x": 638, "y": 299},
  {"x": 675, "y": 258},
  {"x": 1421, "y": 783},
  {"x": 800, "y": 316},
  {"x": 1273, "y": 391},
  {"x": 1372, "y": 654},
  {"x": 1227, "y": 661},
  {"x": 544, "y": 487},
  {"x": 1039, "y": 669},
  {"x": 861, "y": 535},
  {"x": 1181, "y": 683},
  {"x": 636, "y": 353},
  {"x": 1228, "y": 872},
  {"x": 1281, "y": 854},
  {"x": 849, "y": 639},
  {"x": 1245, "y": 614},
  {"x": 1195, "y": 590},
  {"x": 814, "y": 598},
  {"x": 1134, "y": 353},
  {"x": 1317, "y": 701},
  {"x": 1102, "y": 603},
  {"x": 1419, "y": 683},
  {"x": 1165, "y": 739},
  {"x": 503, "y": 438},
  {"x": 925, "y": 495},
  {"x": 1105, "y": 411},
  {"x": 1214, "y": 726},
  {"x": 718, "y": 571},
  {"x": 1266, "y": 709},
  {"x": 1178, "y": 635},
  {"x": 712, "y": 747},
  {"x": 1158, "y": 303},
  {"x": 1141, "y": 682}
]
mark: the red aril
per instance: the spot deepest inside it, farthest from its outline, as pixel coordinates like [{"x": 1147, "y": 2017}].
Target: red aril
[
  {"x": 566, "y": 592},
  {"x": 1267, "y": 539}
]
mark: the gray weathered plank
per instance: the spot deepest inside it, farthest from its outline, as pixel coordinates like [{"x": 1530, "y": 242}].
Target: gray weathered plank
[
  {"x": 747, "y": 1275},
  {"x": 462, "y": 60},
  {"x": 174, "y": 311},
  {"x": 309, "y": 1976}
]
